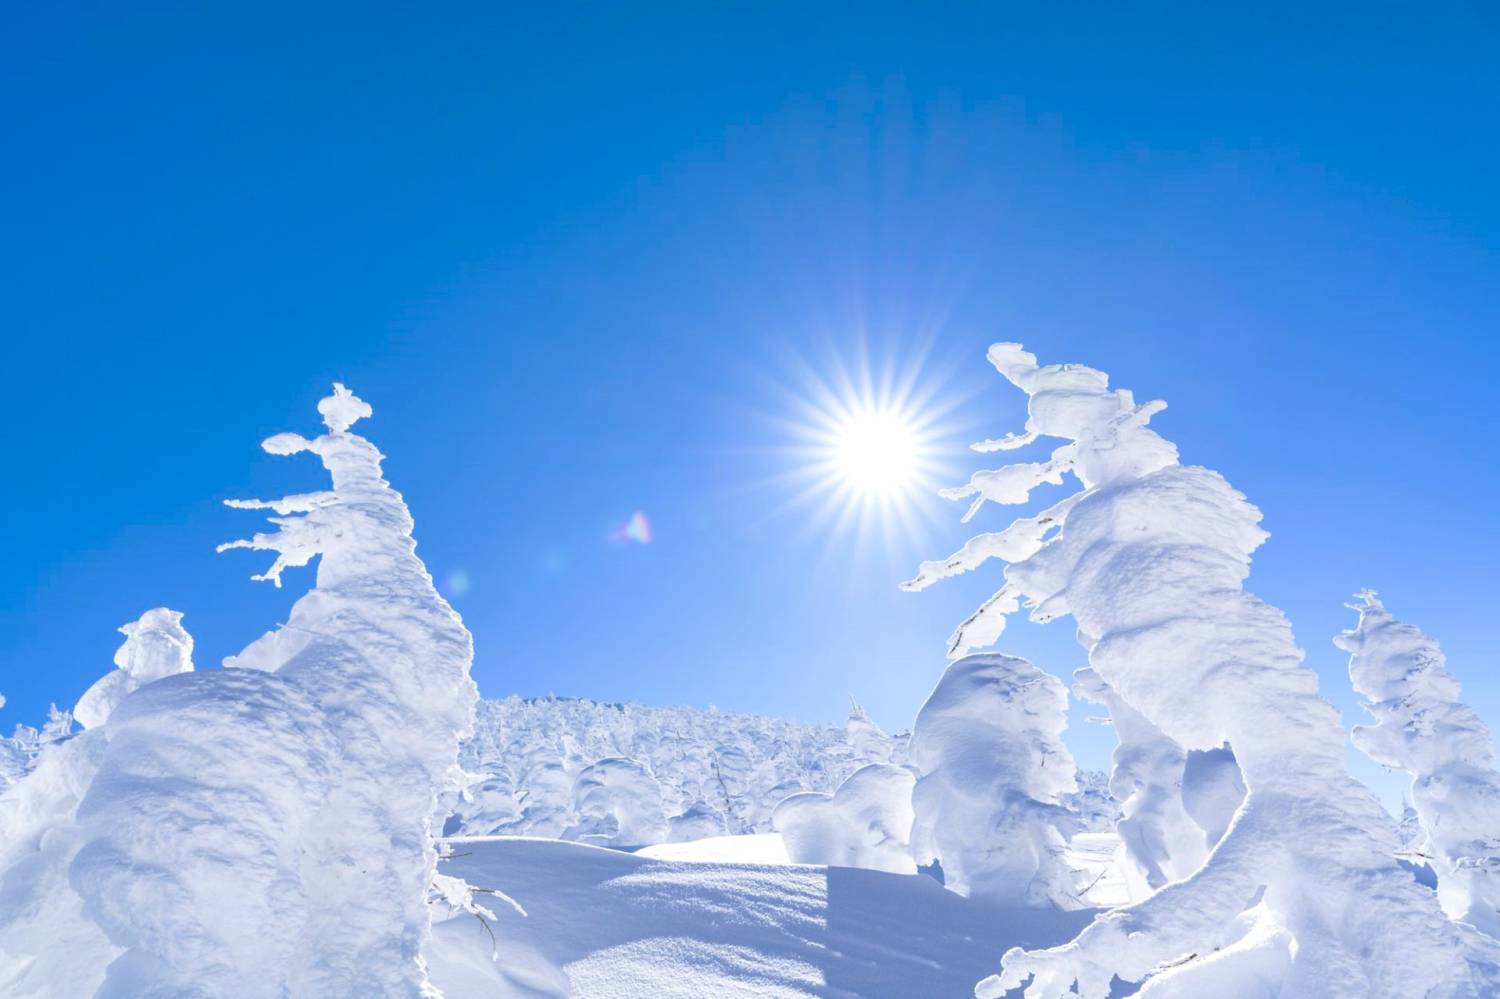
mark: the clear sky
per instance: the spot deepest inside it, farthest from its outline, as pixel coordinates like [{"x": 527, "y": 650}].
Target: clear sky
[{"x": 586, "y": 262}]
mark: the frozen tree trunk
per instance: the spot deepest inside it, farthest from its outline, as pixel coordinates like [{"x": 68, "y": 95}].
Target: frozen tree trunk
[
  {"x": 1423, "y": 728},
  {"x": 1303, "y": 896},
  {"x": 993, "y": 770},
  {"x": 269, "y": 829}
]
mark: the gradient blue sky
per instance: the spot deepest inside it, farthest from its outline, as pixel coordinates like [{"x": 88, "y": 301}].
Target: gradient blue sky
[{"x": 574, "y": 258}]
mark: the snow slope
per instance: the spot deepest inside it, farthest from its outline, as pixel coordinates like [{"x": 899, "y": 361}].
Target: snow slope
[{"x": 612, "y": 925}]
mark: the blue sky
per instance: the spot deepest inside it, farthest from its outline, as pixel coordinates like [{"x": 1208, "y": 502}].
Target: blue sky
[{"x": 573, "y": 258}]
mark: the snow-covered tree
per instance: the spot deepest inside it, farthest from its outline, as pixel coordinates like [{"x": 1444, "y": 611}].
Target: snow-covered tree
[
  {"x": 865, "y": 823},
  {"x": 719, "y": 772},
  {"x": 1302, "y": 897},
  {"x": 868, "y": 740},
  {"x": 992, "y": 772},
  {"x": 1423, "y": 728},
  {"x": 155, "y": 646},
  {"x": 268, "y": 830},
  {"x": 618, "y": 803}
]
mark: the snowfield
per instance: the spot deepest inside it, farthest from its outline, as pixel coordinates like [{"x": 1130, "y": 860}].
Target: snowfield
[{"x": 603, "y": 924}]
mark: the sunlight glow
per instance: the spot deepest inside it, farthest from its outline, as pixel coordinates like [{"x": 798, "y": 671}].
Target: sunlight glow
[
  {"x": 865, "y": 445},
  {"x": 876, "y": 452}
]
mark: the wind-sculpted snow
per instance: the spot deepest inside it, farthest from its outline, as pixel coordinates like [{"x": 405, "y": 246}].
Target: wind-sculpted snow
[
  {"x": 1302, "y": 897},
  {"x": 865, "y": 823},
  {"x": 264, "y": 830},
  {"x": 1423, "y": 728},
  {"x": 993, "y": 773}
]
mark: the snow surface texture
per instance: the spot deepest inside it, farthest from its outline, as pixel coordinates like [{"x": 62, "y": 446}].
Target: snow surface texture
[
  {"x": 993, "y": 776},
  {"x": 602, "y": 924},
  {"x": 264, "y": 830},
  {"x": 1423, "y": 728},
  {"x": 1302, "y": 897}
]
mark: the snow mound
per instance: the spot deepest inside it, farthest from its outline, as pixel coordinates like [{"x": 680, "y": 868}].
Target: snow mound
[{"x": 611, "y": 925}]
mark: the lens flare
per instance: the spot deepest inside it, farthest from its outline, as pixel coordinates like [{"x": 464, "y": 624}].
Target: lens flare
[{"x": 636, "y": 530}]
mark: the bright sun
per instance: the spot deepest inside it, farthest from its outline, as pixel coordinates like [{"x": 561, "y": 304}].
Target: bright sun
[{"x": 876, "y": 452}]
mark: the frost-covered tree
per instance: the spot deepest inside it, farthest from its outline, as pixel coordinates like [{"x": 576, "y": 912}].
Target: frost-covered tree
[
  {"x": 155, "y": 646},
  {"x": 868, "y": 740},
  {"x": 1302, "y": 897},
  {"x": 268, "y": 829},
  {"x": 719, "y": 772},
  {"x": 1423, "y": 728},
  {"x": 865, "y": 823},
  {"x": 992, "y": 772},
  {"x": 618, "y": 803}
]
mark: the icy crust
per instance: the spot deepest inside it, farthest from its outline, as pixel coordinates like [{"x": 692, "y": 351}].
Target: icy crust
[
  {"x": 1423, "y": 728},
  {"x": 866, "y": 823},
  {"x": 994, "y": 771},
  {"x": 1302, "y": 895}
]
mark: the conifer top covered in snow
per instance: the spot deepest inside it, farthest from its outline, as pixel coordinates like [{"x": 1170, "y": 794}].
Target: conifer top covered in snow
[{"x": 1423, "y": 728}]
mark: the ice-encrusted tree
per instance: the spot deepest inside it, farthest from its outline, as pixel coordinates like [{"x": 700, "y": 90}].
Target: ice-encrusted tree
[
  {"x": 992, "y": 773},
  {"x": 1302, "y": 897},
  {"x": 1423, "y": 728},
  {"x": 268, "y": 829}
]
